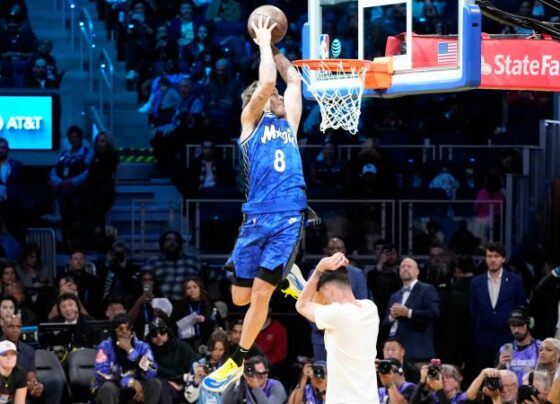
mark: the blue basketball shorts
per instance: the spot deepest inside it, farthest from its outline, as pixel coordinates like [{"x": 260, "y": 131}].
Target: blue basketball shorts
[{"x": 266, "y": 247}]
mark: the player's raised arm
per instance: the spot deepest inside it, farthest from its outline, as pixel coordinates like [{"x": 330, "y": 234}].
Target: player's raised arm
[
  {"x": 292, "y": 96},
  {"x": 253, "y": 109}
]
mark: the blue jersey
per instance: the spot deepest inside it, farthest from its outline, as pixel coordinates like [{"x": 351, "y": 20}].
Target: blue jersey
[{"x": 273, "y": 169}]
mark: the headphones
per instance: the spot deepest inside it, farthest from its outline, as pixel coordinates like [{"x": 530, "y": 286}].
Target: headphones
[{"x": 530, "y": 321}]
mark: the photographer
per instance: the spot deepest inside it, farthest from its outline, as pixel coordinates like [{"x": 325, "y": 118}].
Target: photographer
[
  {"x": 119, "y": 273},
  {"x": 312, "y": 386},
  {"x": 535, "y": 388},
  {"x": 439, "y": 384},
  {"x": 255, "y": 386},
  {"x": 397, "y": 390},
  {"x": 499, "y": 385}
]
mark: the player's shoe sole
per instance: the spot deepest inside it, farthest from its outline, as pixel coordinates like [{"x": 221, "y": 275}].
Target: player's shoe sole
[
  {"x": 218, "y": 380},
  {"x": 296, "y": 283}
]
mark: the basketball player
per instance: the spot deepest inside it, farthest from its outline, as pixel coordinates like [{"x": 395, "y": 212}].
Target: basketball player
[
  {"x": 351, "y": 328},
  {"x": 269, "y": 237}
]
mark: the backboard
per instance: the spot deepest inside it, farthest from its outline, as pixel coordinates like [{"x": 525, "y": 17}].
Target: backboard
[{"x": 434, "y": 46}]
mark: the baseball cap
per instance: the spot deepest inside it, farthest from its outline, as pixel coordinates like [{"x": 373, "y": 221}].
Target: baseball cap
[
  {"x": 6, "y": 346},
  {"x": 519, "y": 315},
  {"x": 369, "y": 169}
]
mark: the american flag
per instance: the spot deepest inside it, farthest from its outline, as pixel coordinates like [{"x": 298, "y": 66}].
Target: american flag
[{"x": 447, "y": 53}]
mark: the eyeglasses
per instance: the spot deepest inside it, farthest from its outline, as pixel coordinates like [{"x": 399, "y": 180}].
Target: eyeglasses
[
  {"x": 161, "y": 332},
  {"x": 261, "y": 374}
]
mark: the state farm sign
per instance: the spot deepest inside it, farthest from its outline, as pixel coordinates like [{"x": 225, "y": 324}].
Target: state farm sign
[{"x": 520, "y": 64}]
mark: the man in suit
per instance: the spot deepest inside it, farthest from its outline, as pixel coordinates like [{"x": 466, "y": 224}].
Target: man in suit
[
  {"x": 412, "y": 313},
  {"x": 493, "y": 296}
]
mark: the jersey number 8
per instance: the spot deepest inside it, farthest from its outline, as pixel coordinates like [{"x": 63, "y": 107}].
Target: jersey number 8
[{"x": 279, "y": 161}]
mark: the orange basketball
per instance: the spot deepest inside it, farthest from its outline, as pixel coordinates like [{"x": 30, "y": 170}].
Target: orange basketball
[{"x": 276, "y": 16}]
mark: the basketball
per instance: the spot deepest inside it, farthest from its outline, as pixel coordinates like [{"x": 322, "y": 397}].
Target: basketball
[{"x": 276, "y": 16}]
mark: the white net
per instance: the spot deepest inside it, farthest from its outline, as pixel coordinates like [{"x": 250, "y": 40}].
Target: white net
[{"x": 338, "y": 89}]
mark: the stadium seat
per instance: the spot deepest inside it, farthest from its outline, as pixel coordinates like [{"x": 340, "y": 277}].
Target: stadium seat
[
  {"x": 48, "y": 366},
  {"x": 80, "y": 372}
]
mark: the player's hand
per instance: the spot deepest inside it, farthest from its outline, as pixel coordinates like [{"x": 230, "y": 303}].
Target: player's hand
[
  {"x": 332, "y": 263},
  {"x": 263, "y": 32}
]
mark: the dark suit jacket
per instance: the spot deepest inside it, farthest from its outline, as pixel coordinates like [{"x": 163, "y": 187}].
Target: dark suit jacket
[
  {"x": 417, "y": 332},
  {"x": 490, "y": 324}
]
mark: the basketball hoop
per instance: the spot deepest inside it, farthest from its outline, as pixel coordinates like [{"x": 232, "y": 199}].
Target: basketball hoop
[{"x": 338, "y": 86}]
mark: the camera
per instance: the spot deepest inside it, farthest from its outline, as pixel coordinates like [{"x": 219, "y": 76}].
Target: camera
[
  {"x": 249, "y": 371},
  {"x": 385, "y": 367},
  {"x": 319, "y": 371},
  {"x": 434, "y": 369},
  {"x": 525, "y": 392},
  {"x": 493, "y": 383},
  {"x": 208, "y": 368}
]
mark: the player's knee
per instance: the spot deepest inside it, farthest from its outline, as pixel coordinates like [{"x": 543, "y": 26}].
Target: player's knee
[
  {"x": 261, "y": 295},
  {"x": 241, "y": 297}
]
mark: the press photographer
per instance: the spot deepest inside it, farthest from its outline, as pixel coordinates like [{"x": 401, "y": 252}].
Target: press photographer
[
  {"x": 439, "y": 384},
  {"x": 499, "y": 385},
  {"x": 312, "y": 386},
  {"x": 255, "y": 387},
  {"x": 397, "y": 389}
]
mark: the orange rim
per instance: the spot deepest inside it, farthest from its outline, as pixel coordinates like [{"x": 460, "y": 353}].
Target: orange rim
[{"x": 333, "y": 65}]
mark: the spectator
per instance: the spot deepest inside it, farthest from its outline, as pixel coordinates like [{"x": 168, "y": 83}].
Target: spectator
[
  {"x": 182, "y": 28},
  {"x": 234, "y": 336},
  {"x": 210, "y": 173},
  {"x": 66, "y": 283},
  {"x": 488, "y": 207},
  {"x": 125, "y": 366},
  {"x": 8, "y": 308},
  {"x": 17, "y": 44},
  {"x": 412, "y": 314},
  {"x": 89, "y": 288},
  {"x": 255, "y": 385},
  {"x": 100, "y": 182},
  {"x": 9, "y": 247},
  {"x": 200, "y": 54},
  {"x": 222, "y": 90},
  {"x": 165, "y": 48},
  {"x": 10, "y": 193},
  {"x": 174, "y": 359},
  {"x": 326, "y": 173},
  {"x": 221, "y": 11},
  {"x": 463, "y": 241},
  {"x": 44, "y": 49},
  {"x": 312, "y": 386},
  {"x": 463, "y": 273},
  {"x": 8, "y": 275},
  {"x": 172, "y": 266},
  {"x": 383, "y": 280},
  {"x": 544, "y": 305},
  {"x": 50, "y": 388},
  {"x": 549, "y": 357},
  {"x": 30, "y": 268},
  {"x": 14, "y": 387},
  {"x": 142, "y": 312},
  {"x": 273, "y": 340},
  {"x": 493, "y": 296},
  {"x": 39, "y": 76},
  {"x": 68, "y": 177},
  {"x": 217, "y": 354},
  {"x": 194, "y": 314},
  {"x": 137, "y": 40},
  {"x": 115, "y": 306},
  {"x": 396, "y": 388},
  {"x": 119, "y": 274},
  {"x": 446, "y": 181},
  {"x": 68, "y": 307},
  {"x": 523, "y": 353},
  {"x": 26, "y": 312}
]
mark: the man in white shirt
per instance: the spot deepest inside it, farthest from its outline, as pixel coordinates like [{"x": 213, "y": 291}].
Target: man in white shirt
[{"x": 351, "y": 327}]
